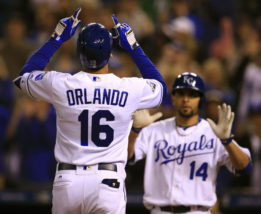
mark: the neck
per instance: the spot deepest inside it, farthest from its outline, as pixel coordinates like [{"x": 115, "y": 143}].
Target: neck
[
  {"x": 103, "y": 70},
  {"x": 183, "y": 121}
]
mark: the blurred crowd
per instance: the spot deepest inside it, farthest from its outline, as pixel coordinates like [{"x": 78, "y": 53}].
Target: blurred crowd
[{"x": 218, "y": 39}]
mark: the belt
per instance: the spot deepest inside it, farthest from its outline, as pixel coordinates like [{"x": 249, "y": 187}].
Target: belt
[
  {"x": 183, "y": 209},
  {"x": 101, "y": 166}
]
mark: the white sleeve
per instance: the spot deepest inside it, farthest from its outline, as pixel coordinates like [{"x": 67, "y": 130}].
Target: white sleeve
[
  {"x": 38, "y": 84},
  {"x": 151, "y": 94},
  {"x": 141, "y": 145},
  {"x": 223, "y": 156}
]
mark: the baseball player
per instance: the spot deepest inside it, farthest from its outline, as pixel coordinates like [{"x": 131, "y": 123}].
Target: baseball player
[
  {"x": 94, "y": 114},
  {"x": 183, "y": 153}
]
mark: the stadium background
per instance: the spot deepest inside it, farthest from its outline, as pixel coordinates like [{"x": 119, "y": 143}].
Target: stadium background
[{"x": 218, "y": 39}]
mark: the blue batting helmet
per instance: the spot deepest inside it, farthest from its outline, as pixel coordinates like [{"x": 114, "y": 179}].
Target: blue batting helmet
[
  {"x": 189, "y": 80},
  {"x": 94, "y": 46}
]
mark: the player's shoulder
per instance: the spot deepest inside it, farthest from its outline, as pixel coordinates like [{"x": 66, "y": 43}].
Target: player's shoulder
[
  {"x": 43, "y": 74},
  {"x": 131, "y": 79}
]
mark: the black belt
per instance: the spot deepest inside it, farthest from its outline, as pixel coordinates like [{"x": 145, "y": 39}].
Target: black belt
[
  {"x": 101, "y": 166},
  {"x": 183, "y": 209}
]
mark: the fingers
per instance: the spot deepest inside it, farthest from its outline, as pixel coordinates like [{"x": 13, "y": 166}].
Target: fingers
[
  {"x": 225, "y": 112},
  {"x": 156, "y": 116},
  {"x": 115, "y": 20},
  {"x": 232, "y": 118},
  {"x": 75, "y": 26},
  {"x": 76, "y": 13},
  {"x": 228, "y": 112},
  {"x": 212, "y": 124}
]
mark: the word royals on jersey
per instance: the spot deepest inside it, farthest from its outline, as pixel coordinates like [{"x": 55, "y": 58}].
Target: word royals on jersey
[
  {"x": 104, "y": 96},
  {"x": 168, "y": 153}
]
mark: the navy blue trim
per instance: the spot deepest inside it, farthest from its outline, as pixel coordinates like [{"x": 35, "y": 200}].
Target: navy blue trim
[
  {"x": 147, "y": 69},
  {"x": 136, "y": 130},
  {"x": 41, "y": 57},
  {"x": 227, "y": 141},
  {"x": 185, "y": 127}
]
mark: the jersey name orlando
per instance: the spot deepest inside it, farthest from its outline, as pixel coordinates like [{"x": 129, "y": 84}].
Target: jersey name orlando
[{"x": 104, "y": 96}]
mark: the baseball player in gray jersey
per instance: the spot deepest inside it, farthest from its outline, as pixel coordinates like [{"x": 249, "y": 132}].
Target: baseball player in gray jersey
[
  {"x": 94, "y": 114},
  {"x": 183, "y": 153}
]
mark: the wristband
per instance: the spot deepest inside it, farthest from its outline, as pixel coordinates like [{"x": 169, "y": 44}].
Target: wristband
[
  {"x": 227, "y": 141},
  {"x": 136, "y": 130}
]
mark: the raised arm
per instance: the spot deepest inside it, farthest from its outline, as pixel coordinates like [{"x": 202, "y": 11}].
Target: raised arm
[
  {"x": 124, "y": 36},
  {"x": 64, "y": 30},
  {"x": 240, "y": 160},
  {"x": 141, "y": 119}
]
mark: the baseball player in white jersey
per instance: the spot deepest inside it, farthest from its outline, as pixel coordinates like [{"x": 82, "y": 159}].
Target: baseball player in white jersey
[
  {"x": 183, "y": 153},
  {"x": 94, "y": 114}
]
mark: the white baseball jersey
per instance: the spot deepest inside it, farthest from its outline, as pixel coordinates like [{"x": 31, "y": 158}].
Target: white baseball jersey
[
  {"x": 181, "y": 164},
  {"x": 94, "y": 112}
]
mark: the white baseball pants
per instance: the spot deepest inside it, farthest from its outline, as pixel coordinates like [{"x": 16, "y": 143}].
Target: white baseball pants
[{"x": 88, "y": 191}]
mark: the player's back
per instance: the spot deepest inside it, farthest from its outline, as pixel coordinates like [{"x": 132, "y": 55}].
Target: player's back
[{"x": 94, "y": 114}]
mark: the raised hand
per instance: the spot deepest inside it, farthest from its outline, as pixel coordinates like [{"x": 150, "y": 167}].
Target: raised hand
[
  {"x": 123, "y": 35},
  {"x": 225, "y": 119},
  {"x": 66, "y": 27},
  {"x": 142, "y": 118}
]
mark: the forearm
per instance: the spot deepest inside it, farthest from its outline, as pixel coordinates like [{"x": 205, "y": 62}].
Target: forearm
[
  {"x": 239, "y": 159},
  {"x": 147, "y": 69},
  {"x": 132, "y": 138},
  {"x": 41, "y": 57}
]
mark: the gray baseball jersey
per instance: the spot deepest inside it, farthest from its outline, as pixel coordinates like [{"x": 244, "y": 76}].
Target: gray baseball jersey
[
  {"x": 181, "y": 163},
  {"x": 94, "y": 112}
]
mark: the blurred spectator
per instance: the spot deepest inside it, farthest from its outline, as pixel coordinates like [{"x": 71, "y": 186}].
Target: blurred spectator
[
  {"x": 30, "y": 143},
  {"x": 90, "y": 9},
  {"x": 65, "y": 7},
  {"x": 250, "y": 95},
  {"x": 174, "y": 60},
  {"x": 130, "y": 11},
  {"x": 224, "y": 47},
  {"x": 254, "y": 131},
  {"x": 182, "y": 29},
  {"x": 122, "y": 66},
  {"x": 181, "y": 24},
  {"x": 6, "y": 105},
  {"x": 6, "y": 99},
  {"x": 216, "y": 79},
  {"x": 248, "y": 46},
  {"x": 14, "y": 47},
  {"x": 43, "y": 26},
  {"x": 64, "y": 63}
]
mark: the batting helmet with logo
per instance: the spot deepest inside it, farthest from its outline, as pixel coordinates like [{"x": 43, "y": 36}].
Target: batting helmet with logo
[
  {"x": 94, "y": 46},
  {"x": 189, "y": 80}
]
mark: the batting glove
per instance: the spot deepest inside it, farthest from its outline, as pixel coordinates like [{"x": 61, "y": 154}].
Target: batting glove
[
  {"x": 142, "y": 118},
  {"x": 223, "y": 128},
  {"x": 124, "y": 36},
  {"x": 66, "y": 27}
]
